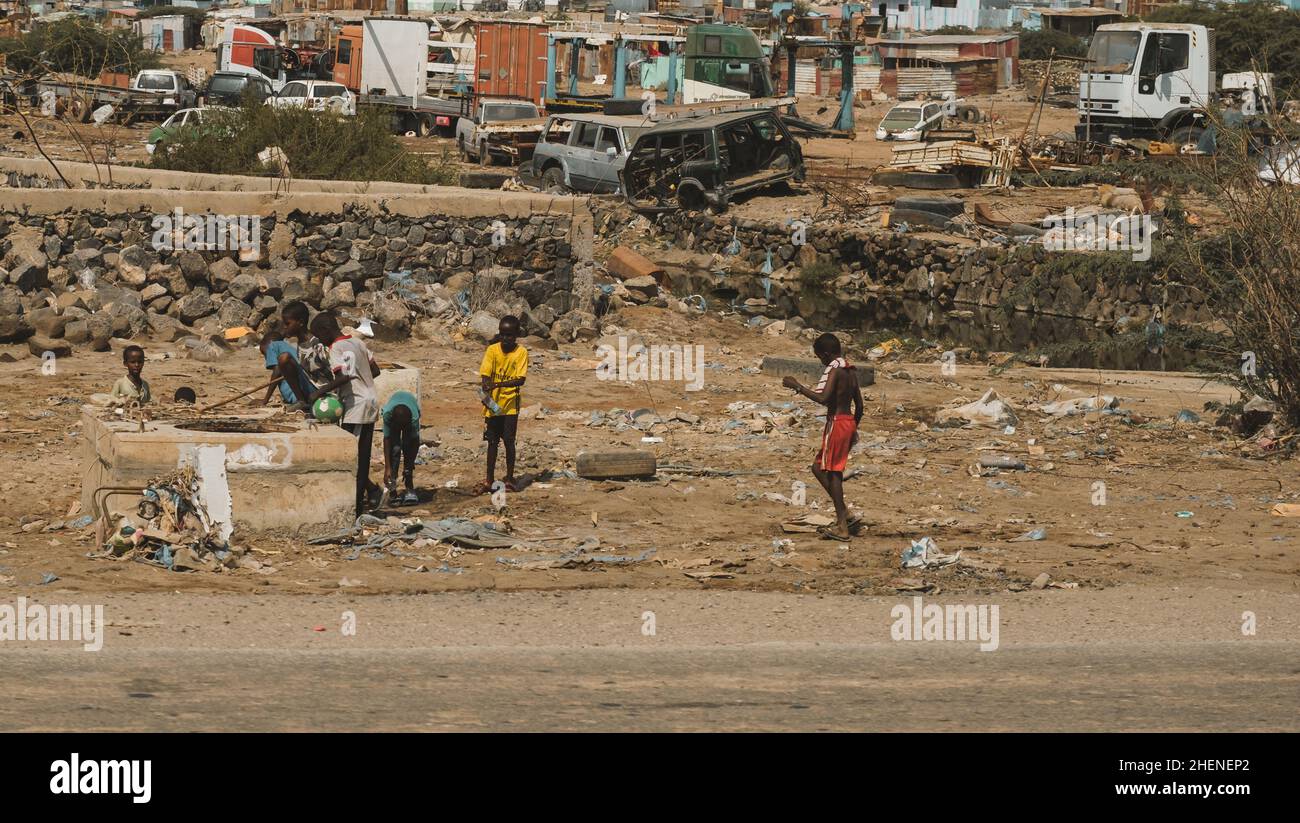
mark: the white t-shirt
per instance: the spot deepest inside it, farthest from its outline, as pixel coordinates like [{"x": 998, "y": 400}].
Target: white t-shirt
[{"x": 350, "y": 356}]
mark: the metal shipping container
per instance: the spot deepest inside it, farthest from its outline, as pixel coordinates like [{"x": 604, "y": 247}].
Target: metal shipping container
[{"x": 511, "y": 59}]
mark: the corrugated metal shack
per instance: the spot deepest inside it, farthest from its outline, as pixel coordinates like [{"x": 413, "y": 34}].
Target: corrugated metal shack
[{"x": 938, "y": 64}]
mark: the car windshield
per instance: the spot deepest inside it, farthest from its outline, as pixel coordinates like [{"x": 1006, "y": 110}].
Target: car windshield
[
  {"x": 157, "y": 82},
  {"x": 497, "y": 113},
  {"x": 222, "y": 85},
  {"x": 1114, "y": 52},
  {"x": 901, "y": 119}
]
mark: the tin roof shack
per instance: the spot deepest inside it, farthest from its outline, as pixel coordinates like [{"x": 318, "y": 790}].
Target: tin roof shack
[
  {"x": 164, "y": 32},
  {"x": 122, "y": 18},
  {"x": 1081, "y": 22},
  {"x": 934, "y": 65}
]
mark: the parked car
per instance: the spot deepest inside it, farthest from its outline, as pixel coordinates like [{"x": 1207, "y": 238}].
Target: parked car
[
  {"x": 691, "y": 162},
  {"x": 585, "y": 152},
  {"x": 183, "y": 119},
  {"x": 317, "y": 95},
  {"x": 226, "y": 88},
  {"x": 911, "y": 121},
  {"x": 499, "y": 128}
]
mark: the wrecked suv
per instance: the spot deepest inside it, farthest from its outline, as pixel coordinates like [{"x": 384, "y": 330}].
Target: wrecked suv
[{"x": 694, "y": 162}]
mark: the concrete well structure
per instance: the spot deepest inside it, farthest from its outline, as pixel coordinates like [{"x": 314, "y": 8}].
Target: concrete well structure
[{"x": 284, "y": 473}]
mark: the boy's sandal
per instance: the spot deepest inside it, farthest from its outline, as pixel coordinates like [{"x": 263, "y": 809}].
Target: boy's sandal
[
  {"x": 827, "y": 534},
  {"x": 510, "y": 487},
  {"x": 482, "y": 488}
]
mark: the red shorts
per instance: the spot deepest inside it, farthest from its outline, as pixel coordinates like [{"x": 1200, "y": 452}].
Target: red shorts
[{"x": 836, "y": 440}]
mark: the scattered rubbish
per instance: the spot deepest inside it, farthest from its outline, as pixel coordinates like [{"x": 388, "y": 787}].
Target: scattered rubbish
[
  {"x": 989, "y": 410},
  {"x": 924, "y": 553},
  {"x": 1184, "y": 515},
  {"x": 1000, "y": 461},
  {"x": 709, "y": 574},
  {"x": 81, "y": 522},
  {"x": 578, "y": 558},
  {"x": 1041, "y": 581},
  {"x": 370, "y": 532},
  {"x": 652, "y": 440},
  {"x": 1188, "y": 416},
  {"x": 1033, "y": 534},
  {"x": 1286, "y": 510},
  {"x": 884, "y": 349},
  {"x": 1079, "y": 405},
  {"x": 180, "y": 531},
  {"x": 48, "y": 578}
]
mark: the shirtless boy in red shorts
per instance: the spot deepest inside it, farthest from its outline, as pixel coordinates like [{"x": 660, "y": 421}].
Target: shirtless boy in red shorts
[{"x": 838, "y": 391}]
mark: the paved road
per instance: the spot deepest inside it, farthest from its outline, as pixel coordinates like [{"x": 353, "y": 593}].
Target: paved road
[
  {"x": 718, "y": 661},
  {"x": 1193, "y": 686}
]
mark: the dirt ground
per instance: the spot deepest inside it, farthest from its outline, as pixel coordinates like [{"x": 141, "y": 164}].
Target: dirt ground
[{"x": 908, "y": 480}]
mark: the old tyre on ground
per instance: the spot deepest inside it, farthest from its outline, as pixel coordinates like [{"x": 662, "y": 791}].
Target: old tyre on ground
[{"x": 621, "y": 463}]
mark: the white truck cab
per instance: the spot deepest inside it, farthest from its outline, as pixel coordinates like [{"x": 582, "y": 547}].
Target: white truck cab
[{"x": 1150, "y": 80}]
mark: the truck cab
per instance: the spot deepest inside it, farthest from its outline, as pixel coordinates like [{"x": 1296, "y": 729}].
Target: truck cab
[
  {"x": 499, "y": 128},
  {"x": 1150, "y": 80}
]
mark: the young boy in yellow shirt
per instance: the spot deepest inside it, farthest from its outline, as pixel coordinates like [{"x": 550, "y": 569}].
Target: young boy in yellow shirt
[{"x": 504, "y": 369}]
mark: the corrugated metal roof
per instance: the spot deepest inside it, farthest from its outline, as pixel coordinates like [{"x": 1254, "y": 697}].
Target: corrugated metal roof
[{"x": 950, "y": 39}]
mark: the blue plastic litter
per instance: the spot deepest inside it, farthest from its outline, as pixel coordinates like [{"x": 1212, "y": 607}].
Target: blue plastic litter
[
  {"x": 48, "y": 577},
  {"x": 767, "y": 265},
  {"x": 462, "y": 301},
  {"x": 82, "y": 522}
]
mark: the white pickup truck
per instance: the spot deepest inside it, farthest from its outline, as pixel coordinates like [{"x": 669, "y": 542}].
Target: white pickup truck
[{"x": 499, "y": 128}]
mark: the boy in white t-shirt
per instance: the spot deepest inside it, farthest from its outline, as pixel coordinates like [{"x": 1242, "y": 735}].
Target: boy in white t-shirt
[{"x": 354, "y": 370}]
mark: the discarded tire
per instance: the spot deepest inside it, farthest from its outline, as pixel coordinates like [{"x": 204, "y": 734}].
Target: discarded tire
[
  {"x": 969, "y": 114},
  {"x": 935, "y": 204},
  {"x": 917, "y": 180},
  {"x": 626, "y": 463}
]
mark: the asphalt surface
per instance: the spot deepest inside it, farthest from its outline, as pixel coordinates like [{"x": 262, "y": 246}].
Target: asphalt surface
[{"x": 717, "y": 661}]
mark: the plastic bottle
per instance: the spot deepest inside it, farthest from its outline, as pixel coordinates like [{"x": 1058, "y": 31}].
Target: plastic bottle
[{"x": 487, "y": 400}]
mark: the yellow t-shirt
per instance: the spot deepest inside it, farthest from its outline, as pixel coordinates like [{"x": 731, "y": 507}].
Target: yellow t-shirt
[{"x": 499, "y": 366}]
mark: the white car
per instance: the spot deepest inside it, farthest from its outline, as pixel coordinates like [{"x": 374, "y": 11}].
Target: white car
[
  {"x": 317, "y": 95},
  {"x": 911, "y": 121}
]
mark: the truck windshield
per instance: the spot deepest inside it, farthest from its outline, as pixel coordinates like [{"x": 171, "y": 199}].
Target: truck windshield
[
  {"x": 495, "y": 114},
  {"x": 1114, "y": 52}
]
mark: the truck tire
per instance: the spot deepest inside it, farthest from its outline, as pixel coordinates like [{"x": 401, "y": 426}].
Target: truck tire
[
  {"x": 553, "y": 179},
  {"x": 424, "y": 125},
  {"x": 1186, "y": 137},
  {"x": 608, "y": 464}
]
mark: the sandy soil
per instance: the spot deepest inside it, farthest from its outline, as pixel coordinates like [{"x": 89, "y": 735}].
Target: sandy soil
[{"x": 911, "y": 481}]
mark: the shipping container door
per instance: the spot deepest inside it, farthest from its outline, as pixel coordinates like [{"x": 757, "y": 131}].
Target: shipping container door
[{"x": 511, "y": 60}]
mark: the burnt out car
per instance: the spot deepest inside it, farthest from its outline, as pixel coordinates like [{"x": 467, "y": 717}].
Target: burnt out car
[{"x": 706, "y": 161}]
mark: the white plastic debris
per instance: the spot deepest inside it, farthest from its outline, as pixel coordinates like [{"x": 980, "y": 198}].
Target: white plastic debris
[{"x": 989, "y": 410}]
